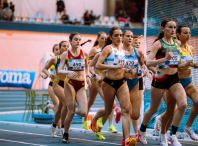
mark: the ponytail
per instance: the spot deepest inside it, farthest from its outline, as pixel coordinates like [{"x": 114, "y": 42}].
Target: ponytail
[
  {"x": 160, "y": 36},
  {"x": 108, "y": 42}
]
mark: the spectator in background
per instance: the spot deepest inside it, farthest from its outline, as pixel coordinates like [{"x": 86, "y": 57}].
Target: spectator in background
[
  {"x": 1, "y": 13},
  {"x": 76, "y": 22},
  {"x": 5, "y": 4},
  {"x": 87, "y": 18},
  {"x": 12, "y": 8},
  {"x": 65, "y": 18},
  {"x": 120, "y": 16},
  {"x": 60, "y": 6},
  {"x": 7, "y": 14},
  {"x": 93, "y": 16}
]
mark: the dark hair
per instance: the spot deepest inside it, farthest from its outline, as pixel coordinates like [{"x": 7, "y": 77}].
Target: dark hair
[
  {"x": 126, "y": 32},
  {"x": 98, "y": 35},
  {"x": 178, "y": 30},
  {"x": 73, "y": 34},
  {"x": 163, "y": 24},
  {"x": 54, "y": 47},
  {"x": 109, "y": 41},
  {"x": 60, "y": 44}
]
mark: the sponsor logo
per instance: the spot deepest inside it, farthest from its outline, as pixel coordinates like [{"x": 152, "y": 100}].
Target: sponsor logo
[{"x": 16, "y": 78}]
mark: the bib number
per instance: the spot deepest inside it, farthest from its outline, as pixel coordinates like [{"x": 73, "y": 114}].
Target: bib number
[{"x": 174, "y": 60}]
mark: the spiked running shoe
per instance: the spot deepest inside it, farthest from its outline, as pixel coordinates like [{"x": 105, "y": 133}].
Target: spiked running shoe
[
  {"x": 100, "y": 136},
  {"x": 99, "y": 122},
  {"x": 112, "y": 129},
  {"x": 85, "y": 125},
  {"x": 118, "y": 116},
  {"x": 131, "y": 142},
  {"x": 94, "y": 127},
  {"x": 157, "y": 125}
]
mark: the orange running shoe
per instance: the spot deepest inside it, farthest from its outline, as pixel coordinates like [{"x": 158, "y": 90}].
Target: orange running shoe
[
  {"x": 94, "y": 126},
  {"x": 136, "y": 136},
  {"x": 131, "y": 142}
]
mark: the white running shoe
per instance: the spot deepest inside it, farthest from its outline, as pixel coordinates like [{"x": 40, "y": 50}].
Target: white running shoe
[
  {"x": 191, "y": 133},
  {"x": 163, "y": 140},
  {"x": 173, "y": 139},
  {"x": 157, "y": 125},
  {"x": 142, "y": 136},
  {"x": 53, "y": 132}
]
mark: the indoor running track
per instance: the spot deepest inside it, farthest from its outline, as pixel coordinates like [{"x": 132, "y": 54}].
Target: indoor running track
[{"x": 18, "y": 135}]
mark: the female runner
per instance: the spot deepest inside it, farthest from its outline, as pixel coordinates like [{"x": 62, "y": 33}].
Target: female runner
[
  {"x": 184, "y": 73},
  {"x": 58, "y": 88},
  {"x": 114, "y": 82},
  {"x": 97, "y": 76},
  {"x": 166, "y": 53},
  {"x": 74, "y": 86}
]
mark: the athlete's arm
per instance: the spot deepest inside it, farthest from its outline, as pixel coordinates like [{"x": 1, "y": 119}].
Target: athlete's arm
[
  {"x": 92, "y": 53},
  {"x": 150, "y": 59},
  {"x": 87, "y": 69},
  {"x": 61, "y": 70},
  {"x": 93, "y": 62},
  {"x": 47, "y": 66},
  {"x": 105, "y": 53}
]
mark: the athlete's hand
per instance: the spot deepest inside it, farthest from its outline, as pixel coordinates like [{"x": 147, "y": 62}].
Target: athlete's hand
[
  {"x": 169, "y": 55},
  {"x": 119, "y": 66},
  {"x": 144, "y": 73},
  {"x": 149, "y": 75},
  {"x": 52, "y": 76},
  {"x": 131, "y": 71},
  {"x": 44, "y": 76},
  {"x": 190, "y": 63},
  {"x": 99, "y": 79},
  {"x": 88, "y": 82},
  {"x": 72, "y": 74}
]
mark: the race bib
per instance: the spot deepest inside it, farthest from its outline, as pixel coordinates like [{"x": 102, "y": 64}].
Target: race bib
[
  {"x": 184, "y": 59},
  {"x": 77, "y": 64},
  {"x": 174, "y": 60},
  {"x": 132, "y": 64},
  {"x": 119, "y": 60}
]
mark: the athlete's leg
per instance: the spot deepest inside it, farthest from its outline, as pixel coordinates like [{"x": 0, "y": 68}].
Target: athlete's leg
[
  {"x": 54, "y": 99},
  {"x": 192, "y": 93}
]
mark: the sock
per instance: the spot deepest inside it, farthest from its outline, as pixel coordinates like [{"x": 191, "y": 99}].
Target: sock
[
  {"x": 173, "y": 130},
  {"x": 66, "y": 136},
  {"x": 54, "y": 125},
  {"x": 62, "y": 126},
  {"x": 143, "y": 128}
]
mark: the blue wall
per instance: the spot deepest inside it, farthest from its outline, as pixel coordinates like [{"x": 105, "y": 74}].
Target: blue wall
[{"x": 60, "y": 28}]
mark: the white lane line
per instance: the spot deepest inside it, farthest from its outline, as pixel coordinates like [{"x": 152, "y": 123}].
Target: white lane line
[
  {"x": 51, "y": 136},
  {"x": 13, "y": 107},
  {"x": 8, "y": 103},
  {"x": 20, "y": 142},
  {"x": 11, "y": 112}
]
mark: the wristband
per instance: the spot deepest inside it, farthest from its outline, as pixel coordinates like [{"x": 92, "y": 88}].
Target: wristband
[
  {"x": 195, "y": 65},
  {"x": 87, "y": 76},
  {"x": 94, "y": 75}
]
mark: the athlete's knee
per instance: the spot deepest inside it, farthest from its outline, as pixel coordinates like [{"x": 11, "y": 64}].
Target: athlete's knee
[
  {"x": 126, "y": 110},
  {"x": 108, "y": 111},
  {"x": 153, "y": 110},
  {"x": 182, "y": 106},
  {"x": 135, "y": 116}
]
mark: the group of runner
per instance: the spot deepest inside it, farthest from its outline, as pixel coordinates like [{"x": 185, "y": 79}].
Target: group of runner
[{"x": 112, "y": 69}]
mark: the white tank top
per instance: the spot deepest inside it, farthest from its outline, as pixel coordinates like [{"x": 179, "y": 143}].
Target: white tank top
[{"x": 115, "y": 57}]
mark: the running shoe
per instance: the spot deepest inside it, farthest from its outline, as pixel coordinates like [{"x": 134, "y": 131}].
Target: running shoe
[
  {"x": 94, "y": 126},
  {"x": 100, "y": 136},
  {"x": 163, "y": 140},
  {"x": 157, "y": 125},
  {"x": 53, "y": 132},
  {"x": 191, "y": 133},
  {"x": 131, "y": 142},
  {"x": 65, "y": 141},
  {"x": 112, "y": 129},
  {"x": 142, "y": 137},
  {"x": 99, "y": 122},
  {"x": 118, "y": 116},
  {"x": 173, "y": 139},
  {"x": 123, "y": 142},
  {"x": 85, "y": 125},
  {"x": 60, "y": 132},
  {"x": 46, "y": 109}
]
